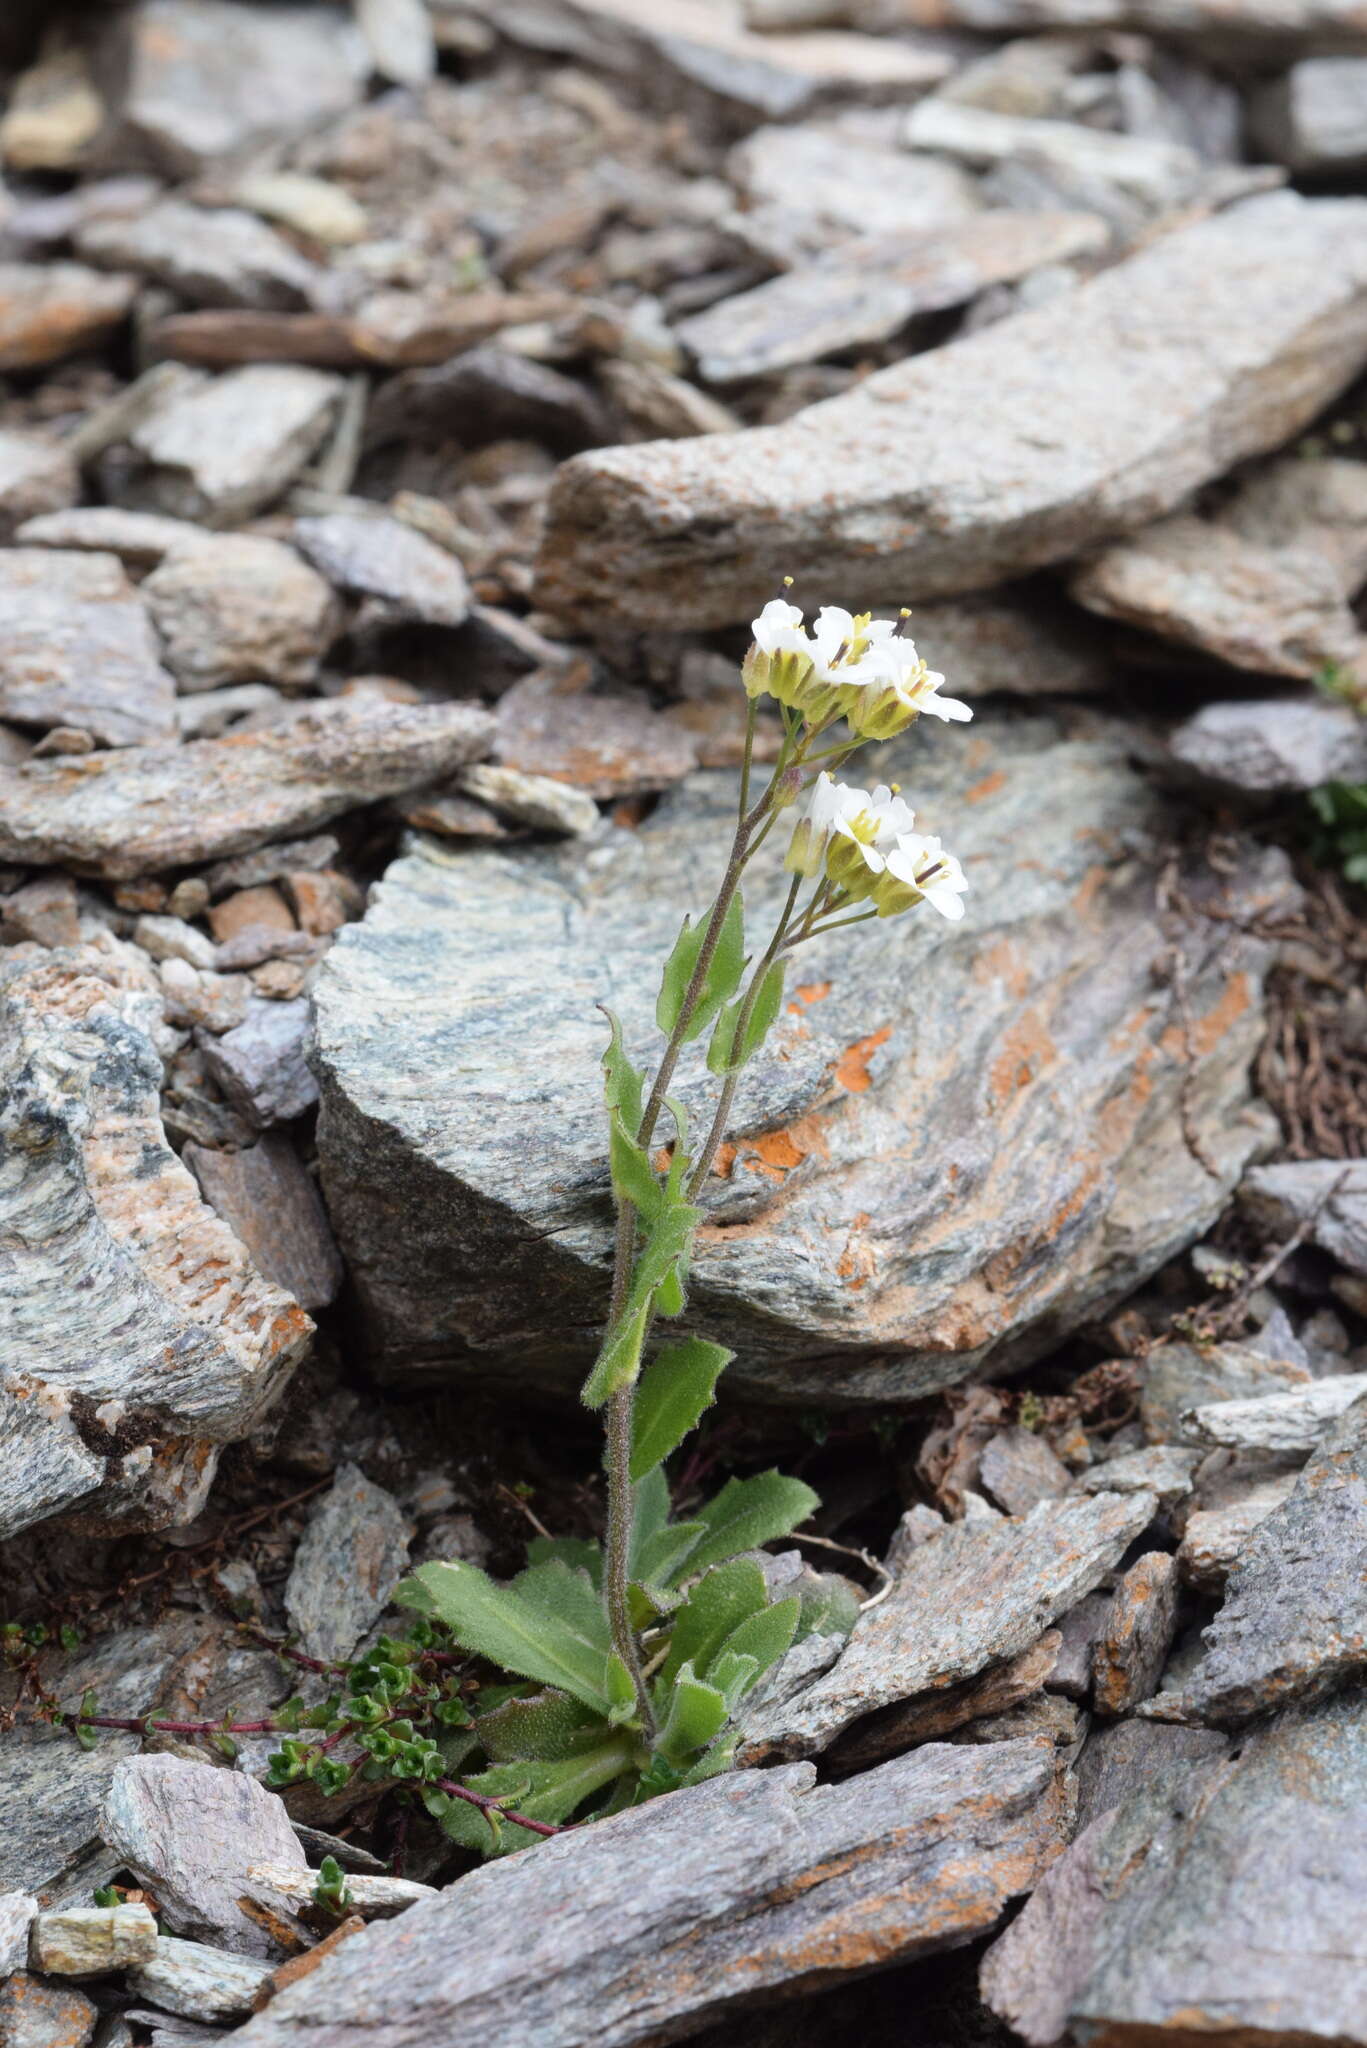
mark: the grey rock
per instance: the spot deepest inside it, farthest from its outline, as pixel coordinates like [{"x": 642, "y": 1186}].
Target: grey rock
[
  {"x": 1330, "y": 1194},
  {"x": 1272, "y": 747},
  {"x": 1079, "y": 1630},
  {"x": 219, "y": 256},
  {"x": 484, "y": 393},
  {"x": 1156, "y": 175},
  {"x": 1294, "y": 1421},
  {"x": 1019, "y": 1470},
  {"x": 1125, "y": 1758},
  {"x": 606, "y": 744},
  {"x": 17, "y": 1913},
  {"x": 890, "y": 1730},
  {"x": 535, "y": 800},
  {"x": 1317, "y": 502},
  {"x": 316, "y": 207},
  {"x": 350, "y": 1558},
  {"x": 191, "y": 1831},
  {"x": 271, "y": 1203},
  {"x": 37, "y": 478},
  {"x": 399, "y": 38},
  {"x": 262, "y": 1064},
  {"x": 1106, "y": 409},
  {"x": 239, "y": 608},
  {"x": 967, "y": 1599},
  {"x": 199, "y": 1982},
  {"x": 1216, "y": 1535},
  {"x": 374, "y": 1898},
  {"x": 1183, "y": 1376},
  {"x": 143, "y": 809},
  {"x": 1259, "y": 29},
  {"x": 51, "y": 310},
  {"x": 382, "y": 557},
  {"x": 44, "y": 910},
  {"x": 139, "y": 539},
  {"x": 1165, "y": 1470},
  {"x": 127, "y": 1307},
  {"x": 1274, "y": 610},
  {"x": 1057, "y": 1094},
  {"x": 231, "y": 445},
  {"x": 1132, "y": 1649},
  {"x": 209, "y": 714},
  {"x": 818, "y": 186},
  {"x": 91, "y": 1941},
  {"x": 1013, "y": 642},
  {"x": 38, "y": 2015},
  {"x": 867, "y": 290},
  {"x": 196, "y": 996},
  {"x": 1314, "y": 118},
  {"x": 76, "y": 648},
  {"x": 1294, "y": 1620},
  {"x": 913, "y": 1857},
  {"x": 171, "y": 938},
  {"x": 658, "y": 406},
  {"x": 270, "y": 864},
  {"x": 202, "y": 80}
]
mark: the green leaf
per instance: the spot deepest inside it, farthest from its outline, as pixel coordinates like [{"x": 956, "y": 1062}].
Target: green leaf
[
  {"x": 732, "y": 1048},
  {"x": 721, "y": 980},
  {"x": 673, "y": 1393},
  {"x": 543, "y": 1791},
  {"x": 764, "y": 1636},
  {"x": 561, "y": 1594},
  {"x": 695, "y": 1715},
  {"x": 545, "y": 1726},
  {"x": 581, "y": 1553},
  {"x": 633, "y": 1176},
  {"x": 733, "y": 1676},
  {"x": 661, "y": 1557},
  {"x": 827, "y": 1605},
  {"x": 619, "y": 1360},
  {"x": 499, "y": 1623},
  {"x": 721, "y": 1600},
  {"x": 622, "y": 1082},
  {"x": 621, "y": 1692},
  {"x": 748, "y": 1513}
]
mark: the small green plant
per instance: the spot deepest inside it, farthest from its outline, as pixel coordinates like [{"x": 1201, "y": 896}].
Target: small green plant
[
  {"x": 331, "y": 1892},
  {"x": 620, "y": 1669},
  {"x": 1340, "y": 810}
]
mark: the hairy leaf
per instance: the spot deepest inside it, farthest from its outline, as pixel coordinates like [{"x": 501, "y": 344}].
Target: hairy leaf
[
  {"x": 721, "y": 1600},
  {"x": 547, "y": 1727},
  {"x": 695, "y": 1715},
  {"x": 581, "y": 1553},
  {"x": 544, "y": 1791},
  {"x": 659, "y": 1562},
  {"x": 622, "y": 1082},
  {"x": 633, "y": 1176},
  {"x": 562, "y": 1594},
  {"x": 497, "y": 1622},
  {"x": 619, "y": 1360},
  {"x": 748, "y": 1513},
  {"x": 722, "y": 977},
  {"x": 731, "y": 1048},
  {"x": 763, "y": 1636},
  {"x": 673, "y": 1393}
]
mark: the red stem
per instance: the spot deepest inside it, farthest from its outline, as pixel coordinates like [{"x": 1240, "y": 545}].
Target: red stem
[{"x": 485, "y": 1805}]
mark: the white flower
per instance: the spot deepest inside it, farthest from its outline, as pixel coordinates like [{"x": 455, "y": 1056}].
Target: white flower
[
  {"x": 917, "y": 869},
  {"x": 779, "y": 629},
  {"x": 850, "y": 650},
  {"x": 918, "y": 685},
  {"x": 852, "y": 830}
]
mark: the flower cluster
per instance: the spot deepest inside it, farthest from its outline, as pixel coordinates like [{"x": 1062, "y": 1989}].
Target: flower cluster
[
  {"x": 850, "y": 666},
  {"x": 865, "y": 842}
]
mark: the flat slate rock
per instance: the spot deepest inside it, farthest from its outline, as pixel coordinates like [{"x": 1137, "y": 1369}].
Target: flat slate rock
[
  {"x": 144, "y": 809},
  {"x": 647, "y": 1925},
  {"x": 208, "y": 256},
  {"x": 137, "y": 1335},
  {"x": 229, "y": 446},
  {"x": 461, "y": 1136},
  {"x": 240, "y": 608},
  {"x": 51, "y": 310},
  {"x": 1294, "y": 1620},
  {"x": 1291, "y": 1422},
  {"x": 264, "y": 1193},
  {"x": 971, "y": 1597},
  {"x": 38, "y": 478},
  {"x": 1016, "y": 447},
  {"x": 1328, "y": 1194},
  {"x": 77, "y": 648},
  {"x": 351, "y": 1556},
  {"x": 1314, "y": 118},
  {"x": 1269, "y": 748},
  {"x": 381, "y": 557},
  {"x": 1257, "y": 27},
  {"x": 1180, "y": 1377},
  {"x": 1225, "y": 1899}
]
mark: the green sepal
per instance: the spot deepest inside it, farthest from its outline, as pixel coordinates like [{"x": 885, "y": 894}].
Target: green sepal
[
  {"x": 731, "y": 1048},
  {"x": 721, "y": 980},
  {"x": 675, "y": 1389}
]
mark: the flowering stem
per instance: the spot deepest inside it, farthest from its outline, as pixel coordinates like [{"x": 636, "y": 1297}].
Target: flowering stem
[{"x": 727, "y": 1097}]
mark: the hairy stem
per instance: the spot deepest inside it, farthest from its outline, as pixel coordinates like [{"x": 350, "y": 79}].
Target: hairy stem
[
  {"x": 698, "y": 1178},
  {"x": 485, "y": 1805}
]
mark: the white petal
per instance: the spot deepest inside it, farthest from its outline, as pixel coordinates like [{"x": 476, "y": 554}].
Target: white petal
[{"x": 948, "y": 708}]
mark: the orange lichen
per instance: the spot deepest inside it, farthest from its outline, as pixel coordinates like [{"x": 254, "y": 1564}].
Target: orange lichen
[
  {"x": 852, "y": 1068},
  {"x": 989, "y": 786},
  {"x": 809, "y": 992},
  {"x": 1026, "y": 1049},
  {"x": 1206, "y": 1032},
  {"x": 1003, "y": 961}
]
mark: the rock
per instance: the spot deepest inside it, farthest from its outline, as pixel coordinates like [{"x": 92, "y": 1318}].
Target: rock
[
  {"x": 190, "y": 1832},
  {"x": 44, "y": 910},
  {"x": 535, "y": 800},
  {"x": 1153, "y": 175},
  {"x": 247, "y": 910},
  {"x": 139, "y": 539},
  {"x": 271, "y": 1203},
  {"x": 219, "y": 256},
  {"x": 1259, "y": 28},
  {"x": 171, "y": 938},
  {"x": 38, "y": 2015},
  {"x": 657, "y": 406},
  {"x": 1079, "y": 1631},
  {"x": 312, "y": 207},
  {"x": 1019, "y": 1470},
  {"x": 91, "y": 1941},
  {"x": 262, "y": 1064},
  {"x": 1275, "y": 611},
  {"x": 1294, "y": 1421},
  {"x": 76, "y": 648},
  {"x": 201, "y": 1983},
  {"x": 324, "y": 902},
  {"x": 139, "y": 1337},
  {"x": 1314, "y": 118},
  {"x": 818, "y": 186},
  {"x": 195, "y": 996},
  {"x": 398, "y": 36},
  {"x": 383, "y": 558},
  {"x": 1215, "y": 1537},
  {"x": 1126, "y": 1757},
  {"x": 37, "y": 477},
  {"x": 134, "y": 812},
  {"x": 1184, "y": 1376},
  {"x": 902, "y": 1726},
  {"x": 207, "y": 79},
  {"x": 1057, "y": 1048},
  {"x": 1016, "y": 641},
  {"x": 350, "y": 1558},
  {"x": 967, "y": 1599},
  {"x": 210, "y": 714},
  {"x": 606, "y": 745},
  {"x": 373, "y": 1898},
  {"x": 1164, "y": 1470},
  {"x": 270, "y": 864},
  {"x": 866, "y": 291},
  {"x": 17, "y": 1912},
  {"x": 1228, "y": 1890},
  {"x": 486, "y": 393},
  {"x": 51, "y": 310},
  {"x": 238, "y": 608},
  {"x": 1132, "y": 1649},
  {"x": 1309, "y": 502},
  {"x": 913, "y": 1857},
  {"x": 1048, "y": 432},
  {"x": 54, "y": 112},
  {"x": 1328, "y": 1194},
  {"x": 231, "y": 445},
  {"x": 1294, "y": 1620}
]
